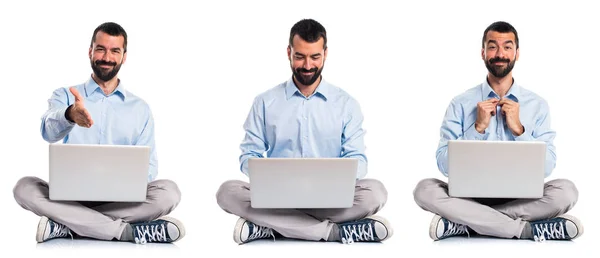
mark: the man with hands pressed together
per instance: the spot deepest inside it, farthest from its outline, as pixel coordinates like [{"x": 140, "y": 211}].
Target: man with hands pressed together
[
  {"x": 499, "y": 109},
  {"x": 102, "y": 111}
]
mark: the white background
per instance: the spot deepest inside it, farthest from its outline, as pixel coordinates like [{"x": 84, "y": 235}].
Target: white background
[{"x": 199, "y": 65}]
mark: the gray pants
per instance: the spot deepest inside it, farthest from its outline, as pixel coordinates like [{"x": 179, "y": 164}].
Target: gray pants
[
  {"x": 97, "y": 220},
  {"x": 504, "y": 218},
  {"x": 308, "y": 224}
]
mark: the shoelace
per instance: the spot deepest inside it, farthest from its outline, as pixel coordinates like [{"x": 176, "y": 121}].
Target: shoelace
[
  {"x": 358, "y": 232},
  {"x": 548, "y": 231},
  {"x": 455, "y": 229},
  {"x": 151, "y": 233},
  {"x": 59, "y": 230},
  {"x": 260, "y": 232}
]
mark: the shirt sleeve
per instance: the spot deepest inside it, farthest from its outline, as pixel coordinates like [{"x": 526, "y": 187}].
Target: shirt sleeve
[
  {"x": 55, "y": 125},
  {"x": 353, "y": 145},
  {"x": 254, "y": 144},
  {"x": 453, "y": 129},
  {"x": 540, "y": 130},
  {"x": 146, "y": 138}
]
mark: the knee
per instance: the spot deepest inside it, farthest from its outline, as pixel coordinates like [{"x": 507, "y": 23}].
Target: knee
[
  {"x": 169, "y": 195},
  {"x": 25, "y": 190},
  {"x": 226, "y": 195},
  {"x": 424, "y": 191},
  {"x": 566, "y": 194},
  {"x": 374, "y": 196}
]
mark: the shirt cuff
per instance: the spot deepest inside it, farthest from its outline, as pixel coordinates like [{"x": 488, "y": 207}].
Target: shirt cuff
[
  {"x": 525, "y": 136},
  {"x": 473, "y": 134}
]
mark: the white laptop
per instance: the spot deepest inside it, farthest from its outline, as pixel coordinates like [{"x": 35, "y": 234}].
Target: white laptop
[
  {"x": 496, "y": 169},
  {"x": 107, "y": 173},
  {"x": 302, "y": 182}
]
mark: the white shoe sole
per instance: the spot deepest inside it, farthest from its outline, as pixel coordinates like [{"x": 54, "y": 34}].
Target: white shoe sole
[
  {"x": 41, "y": 229},
  {"x": 433, "y": 227},
  {"x": 237, "y": 230}
]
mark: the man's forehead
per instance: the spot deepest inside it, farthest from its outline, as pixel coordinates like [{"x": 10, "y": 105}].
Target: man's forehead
[
  {"x": 299, "y": 43},
  {"x": 500, "y": 37},
  {"x": 107, "y": 40}
]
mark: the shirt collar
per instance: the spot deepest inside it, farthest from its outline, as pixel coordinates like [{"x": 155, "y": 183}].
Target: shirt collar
[
  {"x": 487, "y": 92},
  {"x": 91, "y": 86},
  {"x": 323, "y": 90}
]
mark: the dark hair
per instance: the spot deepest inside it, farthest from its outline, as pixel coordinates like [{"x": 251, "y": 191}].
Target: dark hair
[
  {"x": 502, "y": 27},
  {"x": 112, "y": 29},
  {"x": 310, "y": 31}
]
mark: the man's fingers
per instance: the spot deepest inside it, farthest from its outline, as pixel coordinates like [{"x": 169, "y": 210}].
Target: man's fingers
[{"x": 76, "y": 94}]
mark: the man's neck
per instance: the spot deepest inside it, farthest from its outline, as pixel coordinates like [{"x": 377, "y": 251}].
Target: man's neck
[
  {"x": 307, "y": 90},
  {"x": 500, "y": 85},
  {"x": 107, "y": 86}
]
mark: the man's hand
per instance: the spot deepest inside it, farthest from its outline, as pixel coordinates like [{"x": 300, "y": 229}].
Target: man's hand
[
  {"x": 510, "y": 110},
  {"x": 485, "y": 111},
  {"x": 78, "y": 113}
]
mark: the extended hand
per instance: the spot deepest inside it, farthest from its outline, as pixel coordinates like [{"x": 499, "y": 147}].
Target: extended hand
[{"x": 78, "y": 113}]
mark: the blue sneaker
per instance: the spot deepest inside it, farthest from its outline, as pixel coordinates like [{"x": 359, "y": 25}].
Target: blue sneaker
[
  {"x": 369, "y": 229},
  {"x": 49, "y": 229},
  {"x": 246, "y": 231},
  {"x": 161, "y": 230},
  {"x": 441, "y": 228},
  {"x": 563, "y": 227}
]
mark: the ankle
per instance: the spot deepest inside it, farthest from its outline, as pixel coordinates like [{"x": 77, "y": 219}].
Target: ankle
[
  {"x": 527, "y": 232},
  {"x": 127, "y": 234},
  {"x": 334, "y": 234}
]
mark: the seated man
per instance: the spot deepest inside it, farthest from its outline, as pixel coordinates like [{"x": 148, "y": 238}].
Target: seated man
[
  {"x": 101, "y": 111},
  {"x": 499, "y": 109},
  {"x": 306, "y": 117}
]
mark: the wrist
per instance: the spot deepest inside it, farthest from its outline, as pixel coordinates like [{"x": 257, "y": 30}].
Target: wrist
[
  {"x": 479, "y": 128},
  {"x": 67, "y": 114},
  {"x": 520, "y": 131}
]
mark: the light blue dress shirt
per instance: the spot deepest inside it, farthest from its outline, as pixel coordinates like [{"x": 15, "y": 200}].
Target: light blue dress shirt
[
  {"x": 459, "y": 122},
  {"x": 285, "y": 123},
  {"x": 120, "y": 118}
]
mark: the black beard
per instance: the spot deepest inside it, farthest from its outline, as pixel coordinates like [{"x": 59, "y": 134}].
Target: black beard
[
  {"x": 102, "y": 74},
  {"x": 499, "y": 72},
  {"x": 304, "y": 80}
]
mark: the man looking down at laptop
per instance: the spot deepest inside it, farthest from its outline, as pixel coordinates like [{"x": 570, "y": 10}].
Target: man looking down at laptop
[
  {"x": 499, "y": 110},
  {"x": 102, "y": 111},
  {"x": 306, "y": 117}
]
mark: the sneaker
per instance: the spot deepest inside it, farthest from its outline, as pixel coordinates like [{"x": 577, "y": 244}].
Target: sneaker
[
  {"x": 49, "y": 229},
  {"x": 246, "y": 231},
  {"x": 441, "y": 228},
  {"x": 161, "y": 230},
  {"x": 563, "y": 227},
  {"x": 369, "y": 229}
]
